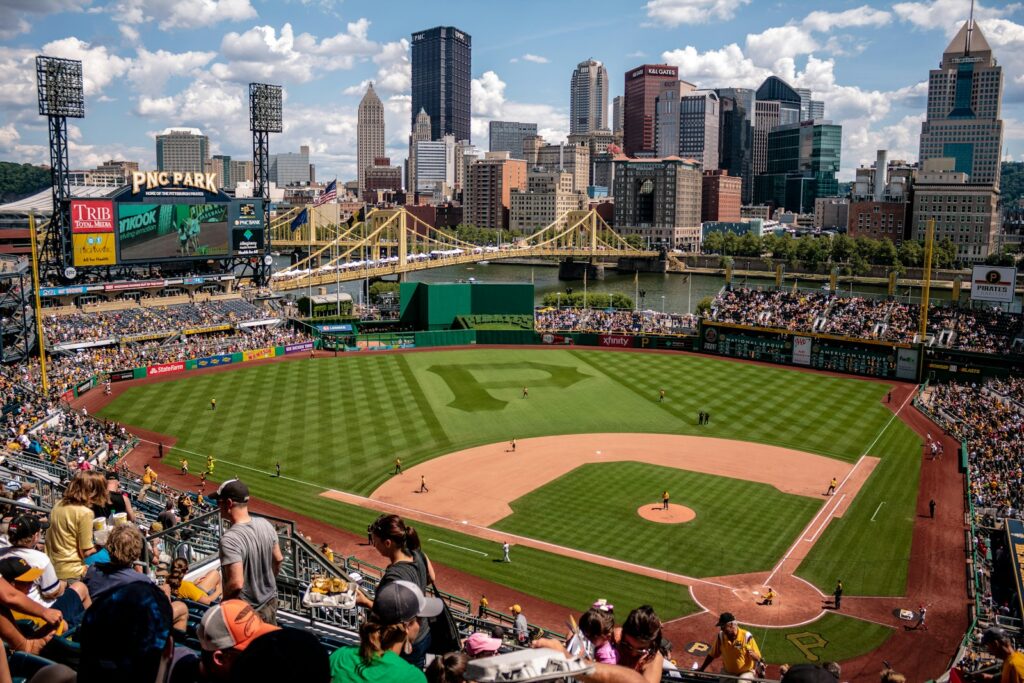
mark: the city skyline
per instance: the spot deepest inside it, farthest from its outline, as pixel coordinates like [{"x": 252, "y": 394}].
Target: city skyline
[{"x": 149, "y": 67}]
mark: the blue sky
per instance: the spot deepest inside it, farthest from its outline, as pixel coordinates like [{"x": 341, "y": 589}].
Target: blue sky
[{"x": 152, "y": 64}]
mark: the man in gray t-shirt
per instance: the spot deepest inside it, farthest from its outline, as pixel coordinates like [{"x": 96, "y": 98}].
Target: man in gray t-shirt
[{"x": 250, "y": 556}]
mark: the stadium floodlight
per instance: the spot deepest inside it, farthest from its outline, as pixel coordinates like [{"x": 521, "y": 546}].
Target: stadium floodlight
[
  {"x": 264, "y": 108},
  {"x": 59, "y": 82}
]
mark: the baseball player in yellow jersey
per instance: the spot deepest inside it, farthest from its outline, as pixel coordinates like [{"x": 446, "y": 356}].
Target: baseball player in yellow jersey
[{"x": 737, "y": 648}]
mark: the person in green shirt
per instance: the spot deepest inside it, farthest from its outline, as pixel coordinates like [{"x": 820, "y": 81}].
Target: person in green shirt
[{"x": 391, "y": 626}]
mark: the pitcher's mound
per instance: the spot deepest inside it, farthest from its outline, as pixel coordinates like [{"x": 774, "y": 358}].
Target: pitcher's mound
[{"x": 676, "y": 514}]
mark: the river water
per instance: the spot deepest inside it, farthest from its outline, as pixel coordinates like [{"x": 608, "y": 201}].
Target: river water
[{"x": 671, "y": 292}]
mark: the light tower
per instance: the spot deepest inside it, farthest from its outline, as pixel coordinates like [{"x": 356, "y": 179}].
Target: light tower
[{"x": 264, "y": 119}]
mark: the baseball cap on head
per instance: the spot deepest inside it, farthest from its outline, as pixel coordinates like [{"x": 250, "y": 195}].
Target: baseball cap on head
[
  {"x": 22, "y": 527},
  {"x": 234, "y": 490},
  {"x": 993, "y": 635},
  {"x": 400, "y": 601},
  {"x": 231, "y": 624},
  {"x": 725, "y": 618},
  {"x": 14, "y": 568}
]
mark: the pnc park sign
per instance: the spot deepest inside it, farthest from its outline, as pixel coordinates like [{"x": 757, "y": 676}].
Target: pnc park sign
[{"x": 147, "y": 180}]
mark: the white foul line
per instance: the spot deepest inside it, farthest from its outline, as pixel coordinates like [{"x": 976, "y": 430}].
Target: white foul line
[
  {"x": 470, "y": 550},
  {"x": 828, "y": 518},
  {"x": 877, "y": 509},
  {"x": 809, "y": 526}
]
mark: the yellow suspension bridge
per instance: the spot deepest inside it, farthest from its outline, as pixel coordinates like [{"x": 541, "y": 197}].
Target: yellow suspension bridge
[{"x": 394, "y": 241}]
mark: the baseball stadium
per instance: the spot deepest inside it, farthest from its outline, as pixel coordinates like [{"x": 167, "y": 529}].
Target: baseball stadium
[{"x": 799, "y": 476}]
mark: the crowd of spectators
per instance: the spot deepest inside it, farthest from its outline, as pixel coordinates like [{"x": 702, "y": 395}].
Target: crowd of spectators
[
  {"x": 613, "y": 321},
  {"x": 65, "y": 370},
  {"x": 985, "y": 330},
  {"x": 140, "y": 320}
]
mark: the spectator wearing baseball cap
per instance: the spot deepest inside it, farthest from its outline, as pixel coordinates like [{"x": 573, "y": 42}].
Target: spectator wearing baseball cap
[
  {"x": 225, "y": 631},
  {"x": 250, "y": 556},
  {"x": 737, "y": 648},
  {"x": 481, "y": 645},
  {"x": 391, "y": 626},
  {"x": 15, "y": 604},
  {"x": 49, "y": 591},
  {"x": 288, "y": 654},
  {"x": 999, "y": 644}
]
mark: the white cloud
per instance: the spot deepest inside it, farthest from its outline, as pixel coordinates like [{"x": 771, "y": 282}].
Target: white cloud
[
  {"x": 149, "y": 71},
  {"x": 725, "y": 67},
  {"x": 824, "y": 22},
  {"x": 12, "y": 13},
  {"x": 948, "y": 15},
  {"x": 674, "y": 13},
  {"x": 536, "y": 59},
  {"x": 488, "y": 95},
  {"x": 206, "y": 102},
  {"x": 130, "y": 34},
  {"x": 394, "y": 73},
  {"x": 17, "y": 79},
  {"x": 8, "y": 136},
  {"x": 779, "y": 42},
  {"x": 99, "y": 67},
  {"x": 186, "y": 14},
  {"x": 262, "y": 54}
]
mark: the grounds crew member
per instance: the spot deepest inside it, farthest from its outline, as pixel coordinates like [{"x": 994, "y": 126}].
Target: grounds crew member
[{"x": 740, "y": 654}]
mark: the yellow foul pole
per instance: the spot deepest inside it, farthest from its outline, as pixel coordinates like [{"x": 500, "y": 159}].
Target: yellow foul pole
[
  {"x": 929, "y": 244},
  {"x": 41, "y": 338}
]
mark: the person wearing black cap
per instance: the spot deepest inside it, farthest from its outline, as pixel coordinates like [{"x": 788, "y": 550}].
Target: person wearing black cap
[
  {"x": 737, "y": 648},
  {"x": 391, "y": 626},
  {"x": 250, "y": 556},
  {"x": 998, "y": 643},
  {"x": 49, "y": 591}
]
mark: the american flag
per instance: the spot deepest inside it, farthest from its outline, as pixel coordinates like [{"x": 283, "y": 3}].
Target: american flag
[{"x": 329, "y": 194}]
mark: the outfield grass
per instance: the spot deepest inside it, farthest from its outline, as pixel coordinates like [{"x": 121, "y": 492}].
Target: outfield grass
[
  {"x": 594, "y": 507},
  {"x": 339, "y": 423}
]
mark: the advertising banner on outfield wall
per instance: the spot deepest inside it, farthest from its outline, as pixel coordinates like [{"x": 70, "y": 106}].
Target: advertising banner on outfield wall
[
  {"x": 165, "y": 368},
  {"x": 214, "y": 361},
  {"x": 296, "y": 348},
  {"x": 257, "y": 354},
  {"x": 993, "y": 283},
  {"x": 208, "y": 328},
  {"x": 615, "y": 340},
  {"x": 555, "y": 339},
  {"x": 122, "y": 375},
  {"x": 906, "y": 363},
  {"x": 802, "y": 350}
]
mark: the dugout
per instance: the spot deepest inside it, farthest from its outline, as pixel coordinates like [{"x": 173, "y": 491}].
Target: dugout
[{"x": 435, "y": 306}]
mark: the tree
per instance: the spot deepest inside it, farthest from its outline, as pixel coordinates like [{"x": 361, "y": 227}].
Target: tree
[
  {"x": 593, "y": 300},
  {"x": 842, "y": 248},
  {"x": 944, "y": 253},
  {"x": 381, "y": 290},
  {"x": 911, "y": 253},
  {"x": 730, "y": 244},
  {"x": 886, "y": 253},
  {"x": 704, "y": 305},
  {"x": 21, "y": 180},
  {"x": 1001, "y": 258},
  {"x": 713, "y": 243},
  {"x": 635, "y": 241},
  {"x": 811, "y": 252},
  {"x": 750, "y": 245}
]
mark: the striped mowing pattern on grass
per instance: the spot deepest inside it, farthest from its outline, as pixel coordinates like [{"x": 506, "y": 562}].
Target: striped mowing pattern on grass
[
  {"x": 341, "y": 422},
  {"x": 741, "y": 526},
  {"x": 833, "y": 637}
]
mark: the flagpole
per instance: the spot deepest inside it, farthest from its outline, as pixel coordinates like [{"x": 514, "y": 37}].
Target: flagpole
[
  {"x": 636, "y": 289},
  {"x": 309, "y": 280}
]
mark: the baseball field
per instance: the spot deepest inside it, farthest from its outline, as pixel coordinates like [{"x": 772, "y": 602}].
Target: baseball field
[{"x": 580, "y": 494}]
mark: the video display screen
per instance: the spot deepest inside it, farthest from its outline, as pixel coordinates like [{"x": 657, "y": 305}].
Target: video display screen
[{"x": 149, "y": 232}]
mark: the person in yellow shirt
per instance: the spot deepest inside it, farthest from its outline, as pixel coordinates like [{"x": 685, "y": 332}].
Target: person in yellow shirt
[
  {"x": 149, "y": 478},
  {"x": 205, "y": 591},
  {"x": 184, "y": 466},
  {"x": 999, "y": 644},
  {"x": 664, "y": 500},
  {"x": 769, "y": 596},
  {"x": 737, "y": 648}
]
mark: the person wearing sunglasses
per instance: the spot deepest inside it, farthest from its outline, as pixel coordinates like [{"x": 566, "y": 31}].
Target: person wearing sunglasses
[{"x": 639, "y": 644}]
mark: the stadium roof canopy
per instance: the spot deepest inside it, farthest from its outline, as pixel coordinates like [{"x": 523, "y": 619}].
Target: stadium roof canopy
[{"x": 42, "y": 202}]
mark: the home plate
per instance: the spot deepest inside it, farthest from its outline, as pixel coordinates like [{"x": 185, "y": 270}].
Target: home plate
[
  {"x": 598, "y": 452},
  {"x": 465, "y": 522},
  {"x": 756, "y": 592}
]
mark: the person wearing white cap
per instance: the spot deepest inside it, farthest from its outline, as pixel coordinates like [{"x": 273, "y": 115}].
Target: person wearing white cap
[{"x": 391, "y": 626}]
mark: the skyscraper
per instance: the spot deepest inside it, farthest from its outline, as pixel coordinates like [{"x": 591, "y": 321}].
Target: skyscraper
[
  {"x": 777, "y": 104},
  {"x": 290, "y": 168},
  {"x": 420, "y": 132},
  {"x": 803, "y": 160},
  {"x": 736, "y": 136},
  {"x": 810, "y": 109},
  {"x": 369, "y": 134},
  {"x": 588, "y": 98},
  {"x": 667, "y": 117},
  {"x": 182, "y": 149},
  {"x": 698, "y": 128},
  {"x": 964, "y": 98},
  {"x": 643, "y": 85},
  {"x": 618, "y": 111},
  {"x": 507, "y": 136},
  {"x": 441, "y": 80}
]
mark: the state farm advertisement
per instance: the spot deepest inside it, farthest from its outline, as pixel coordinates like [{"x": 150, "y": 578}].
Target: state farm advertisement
[
  {"x": 92, "y": 215},
  {"x": 618, "y": 340},
  {"x": 556, "y": 339},
  {"x": 165, "y": 369}
]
